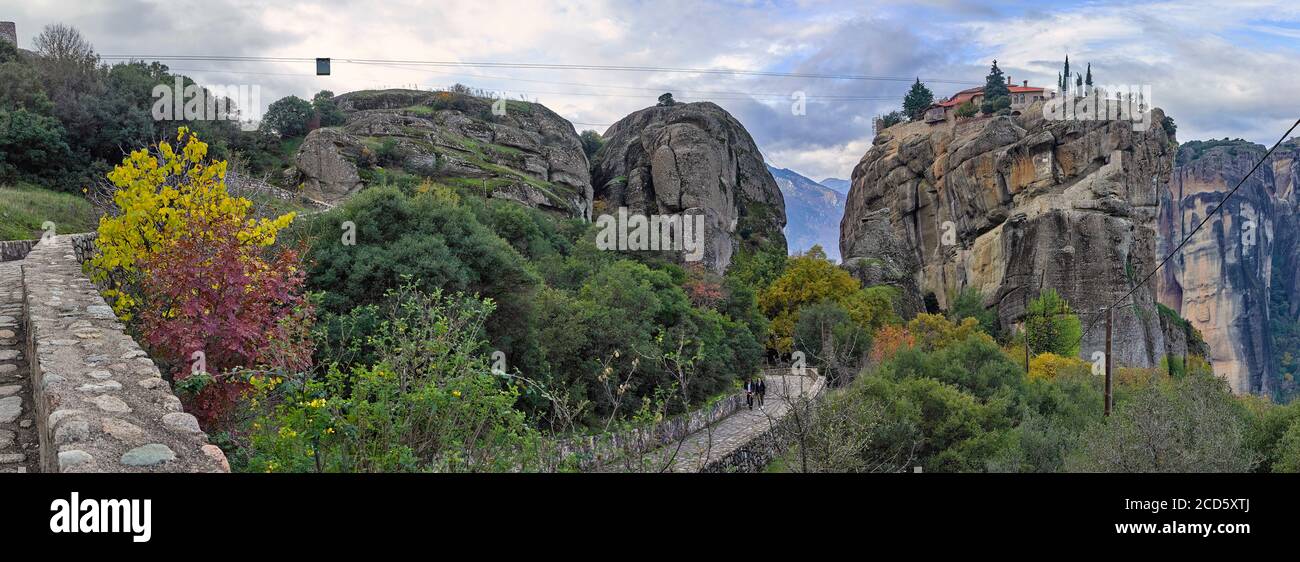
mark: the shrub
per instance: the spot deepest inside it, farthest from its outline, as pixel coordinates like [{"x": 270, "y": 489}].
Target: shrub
[
  {"x": 1049, "y": 366},
  {"x": 225, "y": 304},
  {"x": 157, "y": 195},
  {"x": 431, "y": 402}
]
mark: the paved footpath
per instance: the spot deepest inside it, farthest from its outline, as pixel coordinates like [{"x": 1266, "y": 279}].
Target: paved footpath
[
  {"x": 711, "y": 444},
  {"x": 19, "y": 445}
]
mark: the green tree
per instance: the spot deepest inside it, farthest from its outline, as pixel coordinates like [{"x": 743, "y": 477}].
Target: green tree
[
  {"x": 29, "y": 143},
  {"x": 1051, "y": 327},
  {"x": 892, "y": 118},
  {"x": 966, "y": 109},
  {"x": 916, "y": 101},
  {"x": 288, "y": 117},
  {"x": 996, "y": 94},
  {"x": 325, "y": 107},
  {"x": 1192, "y": 424},
  {"x": 666, "y": 99},
  {"x": 591, "y": 143},
  {"x": 1065, "y": 77},
  {"x": 970, "y": 304}
]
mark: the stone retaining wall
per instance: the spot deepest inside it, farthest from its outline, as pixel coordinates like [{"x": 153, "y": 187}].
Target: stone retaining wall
[
  {"x": 11, "y": 250},
  {"x": 101, "y": 403}
]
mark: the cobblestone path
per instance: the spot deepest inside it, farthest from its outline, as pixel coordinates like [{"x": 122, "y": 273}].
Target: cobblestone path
[{"x": 19, "y": 445}]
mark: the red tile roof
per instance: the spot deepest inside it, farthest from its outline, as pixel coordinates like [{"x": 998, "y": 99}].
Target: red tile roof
[{"x": 969, "y": 93}]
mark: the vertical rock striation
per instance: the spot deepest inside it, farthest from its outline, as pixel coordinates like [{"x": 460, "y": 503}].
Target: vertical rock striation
[
  {"x": 1223, "y": 278},
  {"x": 1009, "y": 204},
  {"x": 692, "y": 158}
]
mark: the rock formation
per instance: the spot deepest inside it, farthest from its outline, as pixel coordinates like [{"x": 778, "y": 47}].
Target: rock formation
[
  {"x": 1008, "y": 204},
  {"x": 1223, "y": 278},
  {"x": 522, "y": 151},
  {"x": 692, "y": 158}
]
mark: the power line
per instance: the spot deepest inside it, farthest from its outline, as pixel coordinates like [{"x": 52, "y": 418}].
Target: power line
[
  {"x": 1189, "y": 236},
  {"x": 547, "y": 66}
]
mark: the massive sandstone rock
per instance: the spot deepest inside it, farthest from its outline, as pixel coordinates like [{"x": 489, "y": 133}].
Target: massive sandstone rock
[
  {"x": 1223, "y": 277},
  {"x": 692, "y": 158},
  {"x": 529, "y": 154},
  {"x": 1008, "y": 204}
]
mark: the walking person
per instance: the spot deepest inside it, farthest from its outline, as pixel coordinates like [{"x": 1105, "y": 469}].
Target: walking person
[
  {"x": 762, "y": 392},
  {"x": 749, "y": 393}
]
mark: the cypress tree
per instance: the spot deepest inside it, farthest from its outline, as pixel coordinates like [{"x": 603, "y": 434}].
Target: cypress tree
[
  {"x": 1088, "y": 79},
  {"x": 1065, "y": 81}
]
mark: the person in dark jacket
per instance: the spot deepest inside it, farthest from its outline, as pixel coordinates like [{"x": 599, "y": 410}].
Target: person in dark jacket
[
  {"x": 749, "y": 394},
  {"x": 762, "y": 392}
]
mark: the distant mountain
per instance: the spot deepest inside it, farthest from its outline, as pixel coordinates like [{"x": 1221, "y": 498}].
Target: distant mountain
[
  {"x": 812, "y": 212},
  {"x": 837, "y": 184}
]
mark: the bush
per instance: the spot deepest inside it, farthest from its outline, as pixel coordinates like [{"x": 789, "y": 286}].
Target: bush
[
  {"x": 431, "y": 402},
  {"x": 157, "y": 194},
  {"x": 966, "y": 109}
]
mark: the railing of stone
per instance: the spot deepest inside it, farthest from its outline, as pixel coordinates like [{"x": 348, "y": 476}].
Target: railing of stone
[
  {"x": 592, "y": 451},
  {"x": 11, "y": 250},
  {"x": 755, "y": 454},
  {"x": 101, "y": 403}
]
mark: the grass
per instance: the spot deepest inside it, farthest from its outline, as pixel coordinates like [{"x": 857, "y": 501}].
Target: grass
[{"x": 24, "y": 208}]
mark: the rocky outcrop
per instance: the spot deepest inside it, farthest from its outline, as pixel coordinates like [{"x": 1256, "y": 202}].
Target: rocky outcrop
[
  {"x": 692, "y": 158},
  {"x": 522, "y": 151},
  {"x": 1223, "y": 279},
  {"x": 1012, "y": 203}
]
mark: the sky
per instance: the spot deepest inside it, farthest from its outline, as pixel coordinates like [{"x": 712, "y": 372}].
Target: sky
[{"x": 1220, "y": 69}]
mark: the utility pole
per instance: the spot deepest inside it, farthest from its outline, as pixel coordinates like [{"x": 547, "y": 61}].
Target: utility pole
[{"x": 1108, "y": 361}]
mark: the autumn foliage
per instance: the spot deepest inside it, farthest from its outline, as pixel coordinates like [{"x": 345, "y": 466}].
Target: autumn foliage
[{"x": 199, "y": 277}]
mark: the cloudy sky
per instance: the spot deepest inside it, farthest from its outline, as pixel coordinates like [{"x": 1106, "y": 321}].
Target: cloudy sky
[{"x": 1219, "y": 70}]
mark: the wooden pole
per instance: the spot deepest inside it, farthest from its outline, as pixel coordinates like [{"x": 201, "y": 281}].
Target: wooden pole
[{"x": 1108, "y": 361}]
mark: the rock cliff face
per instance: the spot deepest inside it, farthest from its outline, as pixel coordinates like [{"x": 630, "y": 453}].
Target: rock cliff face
[
  {"x": 1223, "y": 279},
  {"x": 1008, "y": 204},
  {"x": 529, "y": 154},
  {"x": 692, "y": 158}
]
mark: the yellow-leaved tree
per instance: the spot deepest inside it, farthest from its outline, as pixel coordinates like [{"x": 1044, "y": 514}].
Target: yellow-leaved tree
[
  {"x": 158, "y": 193},
  {"x": 811, "y": 278}
]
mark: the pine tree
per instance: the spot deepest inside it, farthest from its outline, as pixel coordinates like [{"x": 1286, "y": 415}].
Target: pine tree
[
  {"x": 996, "y": 94},
  {"x": 917, "y": 100},
  {"x": 1088, "y": 79},
  {"x": 1078, "y": 83}
]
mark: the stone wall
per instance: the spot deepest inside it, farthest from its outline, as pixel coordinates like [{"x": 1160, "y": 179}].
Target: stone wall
[
  {"x": 758, "y": 452},
  {"x": 592, "y": 451},
  {"x": 101, "y": 403},
  {"x": 11, "y": 250}
]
